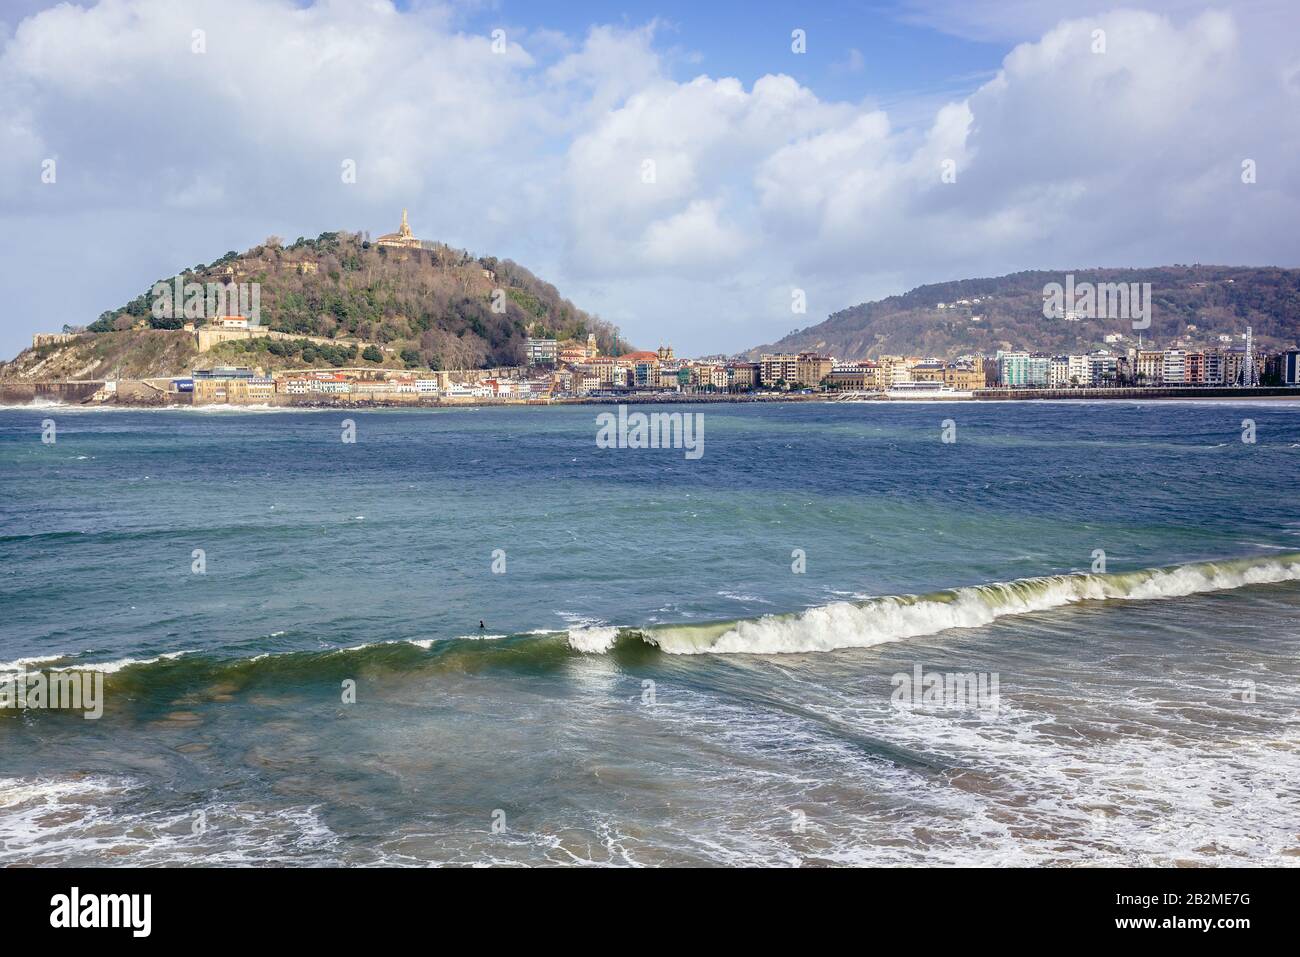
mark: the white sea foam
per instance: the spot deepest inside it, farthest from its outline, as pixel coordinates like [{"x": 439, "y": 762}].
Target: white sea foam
[
  {"x": 895, "y": 618},
  {"x": 91, "y": 820},
  {"x": 593, "y": 640},
  {"x": 34, "y": 404},
  {"x": 112, "y": 667},
  {"x": 72, "y": 664},
  {"x": 24, "y": 664}
]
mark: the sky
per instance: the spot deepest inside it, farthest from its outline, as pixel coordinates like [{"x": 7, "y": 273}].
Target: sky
[{"x": 686, "y": 170}]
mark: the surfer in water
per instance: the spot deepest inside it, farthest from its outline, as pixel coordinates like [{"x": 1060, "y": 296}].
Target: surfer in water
[{"x": 480, "y": 624}]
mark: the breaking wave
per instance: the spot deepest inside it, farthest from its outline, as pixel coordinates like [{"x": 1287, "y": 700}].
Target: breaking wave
[
  {"x": 838, "y": 625},
  {"x": 897, "y": 617}
]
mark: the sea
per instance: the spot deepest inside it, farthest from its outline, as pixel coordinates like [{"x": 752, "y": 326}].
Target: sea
[{"x": 900, "y": 634}]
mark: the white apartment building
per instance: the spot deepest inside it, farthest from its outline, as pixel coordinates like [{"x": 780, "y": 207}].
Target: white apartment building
[
  {"x": 1093, "y": 370},
  {"x": 1174, "y": 368},
  {"x": 1059, "y": 371}
]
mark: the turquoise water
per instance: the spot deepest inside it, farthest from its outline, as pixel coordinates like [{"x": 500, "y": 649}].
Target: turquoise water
[{"x": 654, "y": 681}]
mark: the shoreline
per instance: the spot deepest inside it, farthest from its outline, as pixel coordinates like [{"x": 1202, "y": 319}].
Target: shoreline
[
  {"x": 145, "y": 394},
  {"x": 38, "y": 402}
]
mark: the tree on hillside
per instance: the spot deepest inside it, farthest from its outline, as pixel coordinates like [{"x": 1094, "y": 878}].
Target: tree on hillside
[{"x": 435, "y": 301}]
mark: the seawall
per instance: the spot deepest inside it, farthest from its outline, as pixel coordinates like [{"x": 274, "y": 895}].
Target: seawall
[{"x": 17, "y": 393}]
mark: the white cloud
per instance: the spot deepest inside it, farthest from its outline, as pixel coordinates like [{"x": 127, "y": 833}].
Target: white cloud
[{"x": 1065, "y": 158}]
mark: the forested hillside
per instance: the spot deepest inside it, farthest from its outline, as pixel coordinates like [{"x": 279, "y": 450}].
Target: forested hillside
[
  {"x": 1191, "y": 305},
  {"x": 433, "y": 305}
]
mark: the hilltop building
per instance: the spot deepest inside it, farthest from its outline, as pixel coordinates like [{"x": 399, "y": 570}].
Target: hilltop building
[{"x": 402, "y": 239}]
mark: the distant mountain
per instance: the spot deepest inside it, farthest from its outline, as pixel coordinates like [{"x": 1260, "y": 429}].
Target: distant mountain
[
  {"x": 434, "y": 305},
  {"x": 1215, "y": 300}
]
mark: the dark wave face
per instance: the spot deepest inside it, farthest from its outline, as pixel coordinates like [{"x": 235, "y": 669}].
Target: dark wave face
[{"x": 831, "y": 639}]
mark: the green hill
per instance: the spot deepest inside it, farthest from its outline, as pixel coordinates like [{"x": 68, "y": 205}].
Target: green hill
[
  {"x": 1191, "y": 305},
  {"x": 434, "y": 306}
]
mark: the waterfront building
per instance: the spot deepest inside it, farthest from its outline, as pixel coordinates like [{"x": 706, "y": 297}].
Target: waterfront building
[
  {"x": 992, "y": 370},
  {"x": 1235, "y": 362},
  {"x": 1058, "y": 372},
  {"x": 856, "y": 376},
  {"x": 645, "y": 373},
  {"x": 540, "y": 352},
  {"x": 887, "y": 365},
  {"x": 709, "y": 376},
  {"x": 237, "y": 391},
  {"x": 1093, "y": 370},
  {"x": 742, "y": 376},
  {"x": 918, "y": 388},
  {"x": 1214, "y": 368},
  {"x": 371, "y": 388},
  {"x": 804, "y": 370},
  {"x": 224, "y": 372},
  {"x": 329, "y": 383},
  {"x": 607, "y": 371},
  {"x": 931, "y": 370},
  {"x": 1020, "y": 369},
  {"x": 963, "y": 377},
  {"x": 1103, "y": 369},
  {"x": 1291, "y": 367},
  {"x": 1150, "y": 367},
  {"x": 775, "y": 370},
  {"x": 811, "y": 369},
  {"x": 1173, "y": 369}
]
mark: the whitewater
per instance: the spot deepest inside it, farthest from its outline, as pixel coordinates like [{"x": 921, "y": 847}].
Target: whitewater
[{"x": 619, "y": 652}]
